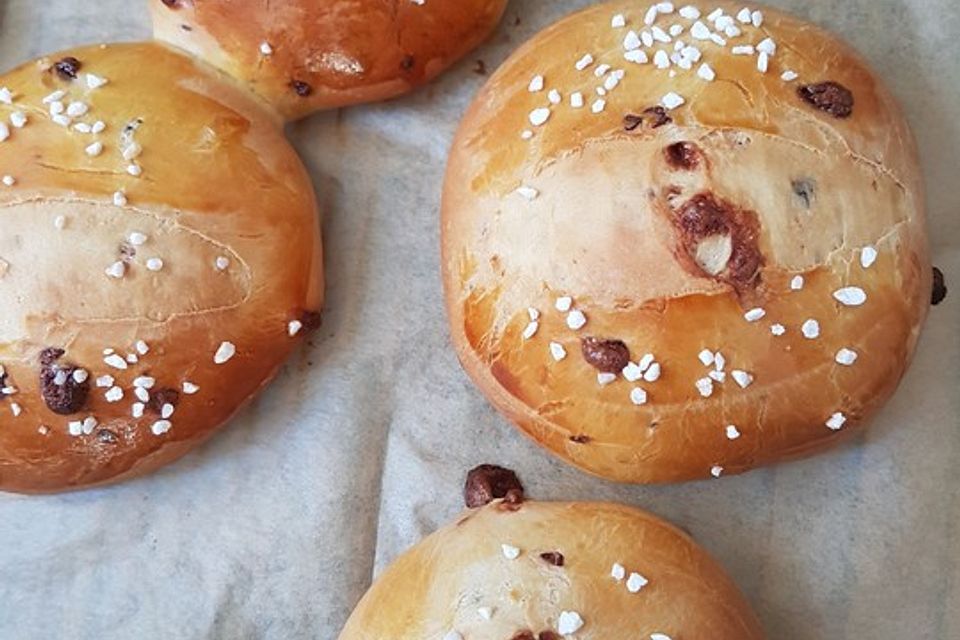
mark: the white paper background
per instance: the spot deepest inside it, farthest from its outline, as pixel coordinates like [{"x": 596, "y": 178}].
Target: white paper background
[{"x": 274, "y": 529}]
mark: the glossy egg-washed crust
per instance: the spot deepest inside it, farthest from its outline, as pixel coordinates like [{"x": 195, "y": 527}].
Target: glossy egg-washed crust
[
  {"x": 327, "y": 53},
  {"x": 810, "y": 188},
  {"x": 439, "y": 585},
  {"x": 218, "y": 180}
]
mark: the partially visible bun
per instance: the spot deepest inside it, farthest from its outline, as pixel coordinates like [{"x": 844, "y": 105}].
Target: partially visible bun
[
  {"x": 461, "y": 584},
  {"x": 601, "y": 214},
  {"x": 180, "y": 289},
  {"x": 305, "y": 55}
]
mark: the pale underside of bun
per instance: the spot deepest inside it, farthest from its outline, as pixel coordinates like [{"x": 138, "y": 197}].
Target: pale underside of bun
[
  {"x": 747, "y": 221},
  {"x": 168, "y": 257},
  {"x": 506, "y": 572},
  {"x": 302, "y": 56}
]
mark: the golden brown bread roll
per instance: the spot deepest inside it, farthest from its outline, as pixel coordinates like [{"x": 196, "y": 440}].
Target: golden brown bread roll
[
  {"x": 541, "y": 571},
  {"x": 160, "y": 257},
  {"x": 305, "y": 55},
  {"x": 685, "y": 241}
]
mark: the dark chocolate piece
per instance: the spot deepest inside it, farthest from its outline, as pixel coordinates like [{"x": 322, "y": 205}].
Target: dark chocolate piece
[
  {"x": 830, "y": 97},
  {"x": 67, "y": 68},
  {"x": 301, "y": 88},
  {"x": 939, "y": 287},
  {"x": 488, "y": 482},
  {"x": 608, "y": 356},
  {"x": 60, "y": 391},
  {"x": 683, "y": 156}
]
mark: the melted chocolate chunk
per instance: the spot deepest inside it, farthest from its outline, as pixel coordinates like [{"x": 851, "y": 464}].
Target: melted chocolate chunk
[
  {"x": 67, "y": 68},
  {"x": 548, "y": 635},
  {"x": 524, "y": 635},
  {"x": 173, "y": 4},
  {"x": 553, "y": 557},
  {"x": 581, "y": 439},
  {"x": 301, "y": 88},
  {"x": 480, "y": 68},
  {"x": 607, "y": 356},
  {"x": 805, "y": 190},
  {"x": 744, "y": 265},
  {"x": 160, "y": 397},
  {"x": 655, "y": 117},
  {"x": 683, "y": 155},
  {"x": 62, "y": 394},
  {"x": 407, "y": 63},
  {"x": 631, "y": 122},
  {"x": 488, "y": 482},
  {"x": 939, "y": 287},
  {"x": 50, "y": 355},
  {"x": 705, "y": 216},
  {"x": 830, "y": 97}
]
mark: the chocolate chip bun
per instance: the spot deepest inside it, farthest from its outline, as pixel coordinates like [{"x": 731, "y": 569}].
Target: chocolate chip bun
[
  {"x": 544, "y": 570},
  {"x": 160, "y": 258},
  {"x": 306, "y": 55},
  {"x": 685, "y": 241}
]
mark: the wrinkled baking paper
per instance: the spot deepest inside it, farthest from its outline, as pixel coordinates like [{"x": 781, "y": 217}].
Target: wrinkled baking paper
[{"x": 274, "y": 529}]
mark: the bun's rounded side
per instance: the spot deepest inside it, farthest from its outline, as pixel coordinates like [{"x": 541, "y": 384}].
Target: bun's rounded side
[
  {"x": 302, "y": 56},
  {"x": 750, "y": 247},
  {"x": 549, "y": 570},
  {"x": 160, "y": 259}
]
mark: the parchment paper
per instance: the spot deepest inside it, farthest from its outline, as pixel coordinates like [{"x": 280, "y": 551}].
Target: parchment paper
[{"x": 275, "y": 528}]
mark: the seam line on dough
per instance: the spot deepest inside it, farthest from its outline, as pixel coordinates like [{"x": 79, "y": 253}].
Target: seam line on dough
[{"x": 171, "y": 221}]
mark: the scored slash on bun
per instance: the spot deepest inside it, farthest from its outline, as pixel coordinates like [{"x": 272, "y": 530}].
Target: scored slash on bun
[
  {"x": 160, "y": 259},
  {"x": 305, "y": 55},
  {"x": 526, "y": 570},
  {"x": 676, "y": 245}
]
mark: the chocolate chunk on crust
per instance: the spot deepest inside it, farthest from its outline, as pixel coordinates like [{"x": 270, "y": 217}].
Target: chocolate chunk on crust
[
  {"x": 607, "y": 356},
  {"x": 657, "y": 117},
  {"x": 59, "y": 389},
  {"x": 939, "y": 287},
  {"x": 67, "y": 68},
  {"x": 301, "y": 88},
  {"x": 830, "y": 97},
  {"x": 161, "y": 397},
  {"x": 488, "y": 482},
  {"x": 654, "y": 117}
]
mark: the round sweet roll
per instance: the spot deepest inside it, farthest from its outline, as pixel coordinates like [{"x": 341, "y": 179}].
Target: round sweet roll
[
  {"x": 305, "y": 55},
  {"x": 515, "y": 570},
  {"x": 160, "y": 258},
  {"x": 685, "y": 241}
]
